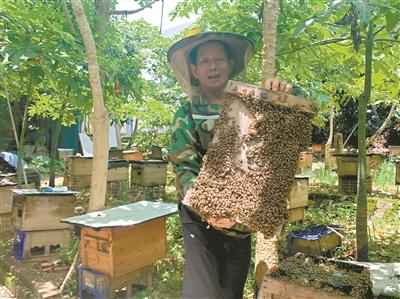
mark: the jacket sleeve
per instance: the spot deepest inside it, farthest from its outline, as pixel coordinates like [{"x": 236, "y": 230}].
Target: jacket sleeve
[{"x": 184, "y": 151}]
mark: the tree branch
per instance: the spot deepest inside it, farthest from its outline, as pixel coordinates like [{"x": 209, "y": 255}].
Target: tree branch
[
  {"x": 319, "y": 43},
  {"x": 384, "y": 125},
  {"x": 131, "y": 12},
  {"x": 387, "y": 40}
]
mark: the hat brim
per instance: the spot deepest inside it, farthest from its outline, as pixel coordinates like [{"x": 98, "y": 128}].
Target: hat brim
[{"x": 240, "y": 47}]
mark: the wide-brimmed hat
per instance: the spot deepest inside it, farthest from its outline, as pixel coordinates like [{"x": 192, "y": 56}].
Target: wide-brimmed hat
[{"x": 240, "y": 48}]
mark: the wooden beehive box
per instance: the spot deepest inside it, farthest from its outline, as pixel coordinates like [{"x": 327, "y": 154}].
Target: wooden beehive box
[
  {"x": 298, "y": 198},
  {"x": 397, "y": 172},
  {"x": 40, "y": 244},
  {"x": 124, "y": 239},
  {"x": 316, "y": 241},
  {"x": 118, "y": 170},
  {"x": 78, "y": 166},
  {"x": 115, "y": 154},
  {"x": 298, "y": 194},
  {"x": 330, "y": 158},
  {"x": 149, "y": 172},
  {"x": 34, "y": 210},
  {"x": 273, "y": 288},
  {"x": 6, "y": 223},
  {"x": 93, "y": 283},
  {"x": 347, "y": 164},
  {"x": 78, "y": 172},
  {"x": 6, "y": 198},
  {"x": 348, "y": 184},
  {"x": 394, "y": 150},
  {"x": 304, "y": 163}
]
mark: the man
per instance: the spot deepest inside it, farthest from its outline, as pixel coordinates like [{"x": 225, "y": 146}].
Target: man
[{"x": 217, "y": 251}]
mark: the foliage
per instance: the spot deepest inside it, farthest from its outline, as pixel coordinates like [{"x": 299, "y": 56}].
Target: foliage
[
  {"x": 384, "y": 178},
  {"x": 42, "y": 164}
]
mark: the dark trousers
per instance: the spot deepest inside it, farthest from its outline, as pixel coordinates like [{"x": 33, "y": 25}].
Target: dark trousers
[{"x": 216, "y": 265}]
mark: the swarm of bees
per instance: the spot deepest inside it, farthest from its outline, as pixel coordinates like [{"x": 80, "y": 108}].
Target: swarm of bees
[{"x": 250, "y": 165}]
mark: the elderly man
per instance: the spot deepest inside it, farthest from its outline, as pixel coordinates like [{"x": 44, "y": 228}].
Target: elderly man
[{"x": 217, "y": 251}]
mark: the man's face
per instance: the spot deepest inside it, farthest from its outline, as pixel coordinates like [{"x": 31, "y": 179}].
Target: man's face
[{"x": 213, "y": 67}]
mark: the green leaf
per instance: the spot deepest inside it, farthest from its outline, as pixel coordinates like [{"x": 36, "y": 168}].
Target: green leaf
[{"x": 392, "y": 20}]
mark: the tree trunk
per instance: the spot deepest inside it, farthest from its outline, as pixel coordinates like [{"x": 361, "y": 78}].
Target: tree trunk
[
  {"x": 362, "y": 212},
  {"x": 100, "y": 123},
  {"x": 267, "y": 249},
  {"x": 270, "y": 21},
  {"x": 55, "y": 135},
  {"x": 329, "y": 142},
  {"x": 21, "y": 175},
  {"x": 382, "y": 128}
]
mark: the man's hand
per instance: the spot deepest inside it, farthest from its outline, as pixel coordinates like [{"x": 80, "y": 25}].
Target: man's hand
[
  {"x": 221, "y": 222},
  {"x": 278, "y": 85}
]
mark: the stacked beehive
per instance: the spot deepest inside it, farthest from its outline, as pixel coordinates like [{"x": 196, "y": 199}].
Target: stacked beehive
[
  {"x": 251, "y": 162},
  {"x": 6, "y": 204},
  {"x": 298, "y": 198},
  {"x": 120, "y": 245},
  {"x": 78, "y": 174},
  {"x": 37, "y": 217},
  {"x": 347, "y": 170},
  {"x": 148, "y": 179}
]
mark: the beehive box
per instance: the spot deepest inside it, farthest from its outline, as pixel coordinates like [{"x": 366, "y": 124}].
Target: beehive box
[
  {"x": 304, "y": 163},
  {"x": 6, "y": 198},
  {"x": 78, "y": 172},
  {"x": 330, "y": 159},
  {"x": 78, "y": 166},
  {"x": 124, "y": 239},
  {"x": 347, "y": 164},
  {"x": 6, "y": 223},
  {"x": 34, "y": 210},
  {"x": 100, "y": 285},
  {"x": 298, "y": 194},
  {"x": 139, "y": 192},
  {"x": 115, "y": 154},
  {"x": 394, "y": 150},
  {"x": 316, "y": 241},
  {"x": 348, "y": 184},
  {"x": 40, "y": 244},
  {"x": 273, "y": 288},
  {"x": 397, "y": 172},
  {"x": 149, "y": 172},
  {"x": 298, "y": 199}
]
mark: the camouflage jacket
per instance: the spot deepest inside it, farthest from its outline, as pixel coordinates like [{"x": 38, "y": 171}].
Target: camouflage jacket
[{"x": 193, "y": 130}]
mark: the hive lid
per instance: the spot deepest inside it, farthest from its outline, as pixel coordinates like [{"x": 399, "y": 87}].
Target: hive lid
[
  {"x": 126, "y": 215},
  {"x": 149, "y": 162}
]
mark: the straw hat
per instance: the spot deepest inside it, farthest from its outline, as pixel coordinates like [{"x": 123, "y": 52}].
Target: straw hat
[{"x": 240, "y": 47}]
